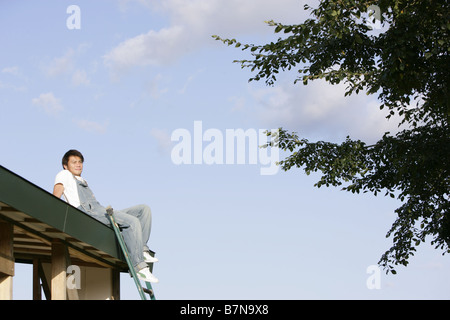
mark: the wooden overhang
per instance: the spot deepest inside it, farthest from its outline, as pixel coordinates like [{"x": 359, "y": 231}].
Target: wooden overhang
[{"x": 39, "y": 218}]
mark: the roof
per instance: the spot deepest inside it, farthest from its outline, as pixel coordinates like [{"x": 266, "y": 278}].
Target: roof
[{"x": 39, "y": 217}]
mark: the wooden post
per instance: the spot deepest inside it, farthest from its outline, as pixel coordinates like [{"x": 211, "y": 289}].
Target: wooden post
[
  {"x": 6, "y": 260},
  {"x": 59, "y": 267},
  {"x": 115, "y": 278},
  {"x": 36, "y": 280}
]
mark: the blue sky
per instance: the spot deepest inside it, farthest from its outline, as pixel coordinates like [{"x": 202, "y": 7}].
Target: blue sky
[{"x": 136, "y": 71}]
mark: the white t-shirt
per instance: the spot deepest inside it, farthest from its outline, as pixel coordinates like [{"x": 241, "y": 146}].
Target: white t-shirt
[{"x": 67, "y": 179}]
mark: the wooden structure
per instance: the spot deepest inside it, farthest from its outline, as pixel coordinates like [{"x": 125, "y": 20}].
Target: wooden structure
[{"x": 73, "y": 255}]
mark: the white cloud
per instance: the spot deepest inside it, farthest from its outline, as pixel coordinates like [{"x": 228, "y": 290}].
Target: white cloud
[
  {"x": 48, "y": 103},
  {"x": 192, "y": 23},
  {"x": 233, "y": 17},
  {"x": 163, "y": 140},
  {"x": 12, "y": 70},
  {"x": 80, "y": 77},
  {"x": 60, "y": 65},
  {"x": 92, "y": 126},
  {"x": 16, "y": 75},
  {"x": 154, "y": 87},
  {"x": 66, "y": 65},
  {"x": 316, "y": 109},
  {"x": 320, "y": 109},
  {"x": 123, "y": 4},
  {"x": 237, "y": 102},
  {"x": 189, "y": 80},
  {"x": 152, "y": 48},
  {"x": 12, "y": 87},
  {"x": 157, "y": 86}
]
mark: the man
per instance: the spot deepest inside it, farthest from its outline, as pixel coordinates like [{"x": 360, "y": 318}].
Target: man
[{"x": 135, "y": 222}]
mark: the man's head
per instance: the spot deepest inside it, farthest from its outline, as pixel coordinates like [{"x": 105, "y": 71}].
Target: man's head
[{"x": 73, "y": 161}]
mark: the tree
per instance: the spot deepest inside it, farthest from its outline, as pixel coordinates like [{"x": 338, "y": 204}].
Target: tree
[{"x": 406, "y": 63}]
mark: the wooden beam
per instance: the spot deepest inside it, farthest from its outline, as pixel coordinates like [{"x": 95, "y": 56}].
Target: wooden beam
[
  {"x": 45, "y": 283},
  {"x": 6, "y": 260},
  {"x": 72, "y": 291},
  {"x": 6, "y": 248},
  {"x": 115, "y": 278},
  {"x": 59, "y": 267},
  {"x": 6, "y": 287},
  {"x": 36, "y": 280}
]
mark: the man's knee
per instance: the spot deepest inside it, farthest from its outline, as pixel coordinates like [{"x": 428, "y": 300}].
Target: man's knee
[
  {"x": 146, "y": 209},
  {"x": 126, "y": 220}
]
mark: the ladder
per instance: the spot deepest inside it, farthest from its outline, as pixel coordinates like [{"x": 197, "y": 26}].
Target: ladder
[{"x": 141, "y": 290}]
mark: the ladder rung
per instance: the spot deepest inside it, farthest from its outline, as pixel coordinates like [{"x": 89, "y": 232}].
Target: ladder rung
[{"x": 150, "y": 292}]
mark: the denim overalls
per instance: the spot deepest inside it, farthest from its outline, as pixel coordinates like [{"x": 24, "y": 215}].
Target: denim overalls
[{"x": 135, "y": 222}]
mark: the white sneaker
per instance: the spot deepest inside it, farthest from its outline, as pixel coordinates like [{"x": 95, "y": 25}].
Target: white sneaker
[
  {"x": 148, "y": 258},
  {"x": 146, "y": 275}
]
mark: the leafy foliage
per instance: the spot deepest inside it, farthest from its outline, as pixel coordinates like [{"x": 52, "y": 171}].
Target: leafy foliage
[{"x": 408, "y": 61}]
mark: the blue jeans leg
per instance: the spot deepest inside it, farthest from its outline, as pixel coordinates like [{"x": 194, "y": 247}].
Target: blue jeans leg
[{"x": 135, "y": 223}]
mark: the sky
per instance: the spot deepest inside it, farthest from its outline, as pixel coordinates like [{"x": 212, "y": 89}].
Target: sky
[{"x": 142, "y": 89}]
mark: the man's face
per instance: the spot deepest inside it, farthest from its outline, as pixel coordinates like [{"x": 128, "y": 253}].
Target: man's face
[{"x": 74, "y": 165}]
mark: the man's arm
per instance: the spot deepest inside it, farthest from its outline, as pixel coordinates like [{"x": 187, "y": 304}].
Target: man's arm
[{"x": 58, "y": 190}]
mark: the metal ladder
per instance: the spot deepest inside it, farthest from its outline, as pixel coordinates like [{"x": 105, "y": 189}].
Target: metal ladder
[{"x": 141, "y": 290}]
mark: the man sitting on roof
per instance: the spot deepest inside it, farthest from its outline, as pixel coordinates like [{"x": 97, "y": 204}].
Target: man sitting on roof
[{"x": 135, "y": 222}]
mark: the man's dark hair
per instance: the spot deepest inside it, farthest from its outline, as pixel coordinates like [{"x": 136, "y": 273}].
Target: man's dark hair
[{"x": 69, "y": 153}]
